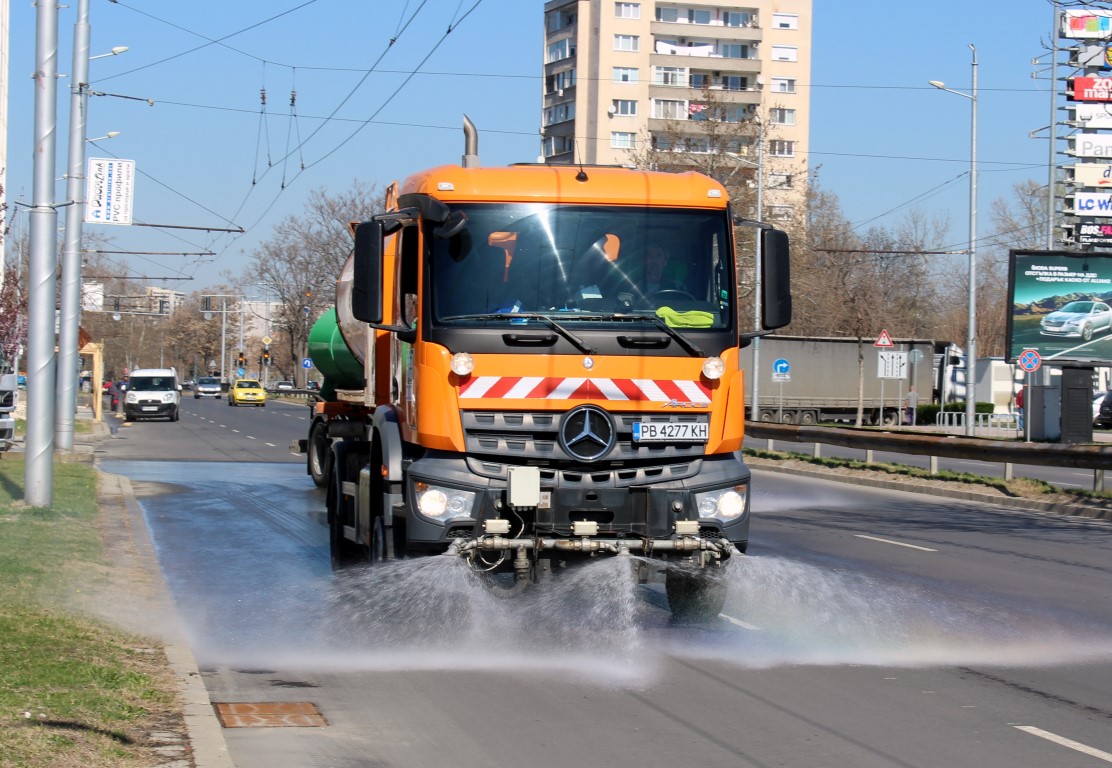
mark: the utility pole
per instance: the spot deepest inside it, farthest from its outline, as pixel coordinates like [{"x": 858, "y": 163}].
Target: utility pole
[
  {"x": 42, "y": 282},
  {"x": 70, "y": 322}
]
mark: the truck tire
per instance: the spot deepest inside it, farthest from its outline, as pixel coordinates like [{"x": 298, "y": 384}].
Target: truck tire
[
  {"x": 787, "y": 417},
  {"x": 807, "y": 418},
  {"x": 889, "y": 417},
  {"x": 768, "y": 416},
  {"x": 696, "y": 596},
  {"x": 317, "y": 454},
  {"x": 345, "y": 553}
]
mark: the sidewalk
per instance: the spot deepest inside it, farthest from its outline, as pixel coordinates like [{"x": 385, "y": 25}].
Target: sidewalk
[{"x": 128, "y": 546}]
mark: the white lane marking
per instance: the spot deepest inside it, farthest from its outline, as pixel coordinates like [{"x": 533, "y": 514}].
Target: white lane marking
[
  {"x": 897, "y": 543},
  {"x": 251, "y": 437},
  {"x": 272, "y": 445},
  {"x": 1083, "y": 748},
  {"x": 740, "y": 623},
  {"x": 236, "y": 431}
]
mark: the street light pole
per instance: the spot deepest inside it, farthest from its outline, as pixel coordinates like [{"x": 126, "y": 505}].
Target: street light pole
[
  {"x": 69, "y": 322},
  {"x": 971, "y": 340}
]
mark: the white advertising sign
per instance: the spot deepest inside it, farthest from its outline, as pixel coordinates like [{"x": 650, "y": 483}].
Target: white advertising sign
[
  {"x": 1093, "y": 115},
  {"x": 1097, "y": 175},
  {"x": 1086, "y": 24},
  {"x": 109, "y": 189},
  {"x": 92, "y": 296},
  {"x": 1093, "y": 203},
  {"x": 1091, "y": 145}
]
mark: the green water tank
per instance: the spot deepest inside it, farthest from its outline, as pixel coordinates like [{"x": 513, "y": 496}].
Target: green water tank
[{"x": 332, "y": 357}]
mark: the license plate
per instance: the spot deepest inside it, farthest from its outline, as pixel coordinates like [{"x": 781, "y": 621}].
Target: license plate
[
  {"x": 150, "y": 407},
  {"x": 665, "y": 432}
]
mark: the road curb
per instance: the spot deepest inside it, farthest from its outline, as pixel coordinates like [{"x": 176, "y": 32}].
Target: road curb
[
  {"x": 206, "y": 738},
  {"x": 1029, "y": 505}
]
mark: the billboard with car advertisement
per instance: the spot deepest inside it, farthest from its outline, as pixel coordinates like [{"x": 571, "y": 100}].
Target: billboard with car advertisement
[{"x": 1061, "y": 305}]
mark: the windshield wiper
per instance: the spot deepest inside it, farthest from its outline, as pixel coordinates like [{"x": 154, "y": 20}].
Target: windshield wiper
[{"x": 581, "y": 345}]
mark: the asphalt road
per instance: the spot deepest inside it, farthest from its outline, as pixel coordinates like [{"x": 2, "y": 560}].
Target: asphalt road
[{"x": 867, "y": 628}]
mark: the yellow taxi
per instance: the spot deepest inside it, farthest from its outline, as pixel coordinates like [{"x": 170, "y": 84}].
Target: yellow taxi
[{"x": 247, "y": 392}]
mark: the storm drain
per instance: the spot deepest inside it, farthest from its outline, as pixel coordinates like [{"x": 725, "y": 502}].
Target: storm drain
[{"x": 287, "y": 714}]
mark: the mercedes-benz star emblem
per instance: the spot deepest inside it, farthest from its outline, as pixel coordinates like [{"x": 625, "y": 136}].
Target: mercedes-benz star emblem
[{"x": 587, "y": 433}]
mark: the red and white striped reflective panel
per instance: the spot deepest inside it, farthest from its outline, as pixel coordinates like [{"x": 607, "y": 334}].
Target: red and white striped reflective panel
[{"x": 557, "y": 388}]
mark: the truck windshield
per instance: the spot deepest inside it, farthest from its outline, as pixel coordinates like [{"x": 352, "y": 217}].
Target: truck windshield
[{"x": 583, "y": 263}]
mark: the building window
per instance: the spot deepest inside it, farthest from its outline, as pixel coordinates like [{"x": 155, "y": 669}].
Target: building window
[
  {"x": 736, "y": 19},
  {"x": 624, "y": 107},
  {"x": 698, "y": 17},
  {"x": 700, "y": 81},
  {"x": 667, "y": 14},
  {"x": 733, "y": 51},
  {"x": 670, "y": 109},
  {"x": 783, "y": 84},
  {"x": 781, "y": 148},
  {"x": 558, "y": 81},
  {"x": 670, "y": 76},
  {"x": 735, "y": 83},
  {"x": 781, "y": 116},
  {"x": 785, "y": 21},
  {"x": 625, "y": 74},
  {"x": 558, "y": 113},
  {"x": 557, "y": 20},
  {"x": 622, "y": 139},
  {"x": 627, "y": 43},
  {"x": 561, "y": 49},
  {"x": 780, "y": 181},
  {"x": 627, "y": 10},
  {"x": 785, "y": 53},
  {"x": 557, "y": 145}
]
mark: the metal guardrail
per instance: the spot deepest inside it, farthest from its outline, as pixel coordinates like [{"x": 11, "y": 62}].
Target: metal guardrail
[{"x": 1097, "y": 458}]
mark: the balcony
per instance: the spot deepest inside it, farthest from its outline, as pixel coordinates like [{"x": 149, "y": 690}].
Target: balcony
[
  {"x": 675, "y": 30},
  {"x": 717, "y": 63}
]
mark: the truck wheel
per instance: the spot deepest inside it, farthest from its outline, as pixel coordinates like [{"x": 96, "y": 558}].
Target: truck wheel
[
  {"x": 318, "y": 454},
  {"x": 889, "y": 418},
  {"x": 787, "y": 417},
  {"x": 695, "y": 595},
  {"x": 807, "y": 418},
  {"x": 768, "y": 416},
  {"x": 345, "y": 553}
]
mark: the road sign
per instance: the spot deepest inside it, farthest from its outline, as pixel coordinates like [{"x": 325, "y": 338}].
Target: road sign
[
  {"x": 884, "y": 340},
  {"x": 915, "y": 356},
  {"x": 891, "y": 365},
  {"x": 266, "y": 340},
  {"x": 307, "y": 363},
  {"x": 240, "y": 372},
  {"x": 1029, "y": 360},
  {"x": 781, "y": 370}
]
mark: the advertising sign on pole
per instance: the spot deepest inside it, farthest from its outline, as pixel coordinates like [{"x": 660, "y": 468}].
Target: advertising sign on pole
[
  {"x": 109, "y": 189},
  {"x": 1093, "y": 233}
]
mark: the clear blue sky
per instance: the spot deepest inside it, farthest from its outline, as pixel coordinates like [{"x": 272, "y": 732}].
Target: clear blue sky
[{"x": 881, "y": 135}]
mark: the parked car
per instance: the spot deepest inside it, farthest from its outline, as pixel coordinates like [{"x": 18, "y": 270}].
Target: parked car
[
  {"x": 285, "y": 385},
  {"x": 247, "y": 392},
  {"x": 312, "y": 386},
  {"x": 1078, "y": 318},
  {"x": 1102, "y": 419},
  {"x": 207, "y": 386}
]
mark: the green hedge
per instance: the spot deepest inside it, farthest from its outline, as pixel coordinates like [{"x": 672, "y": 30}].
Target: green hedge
[{"x": 927, "y": 413}]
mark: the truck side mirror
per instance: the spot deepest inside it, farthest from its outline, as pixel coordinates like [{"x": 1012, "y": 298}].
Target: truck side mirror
[
  {"x": 776, "y": 290},
  {"x": 366, "y": 284}
]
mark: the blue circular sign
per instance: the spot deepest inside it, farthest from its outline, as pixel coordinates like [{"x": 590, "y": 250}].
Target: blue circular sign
[
  {"x": 781, "y": 366},
  {"x": 1029, "y": 360}
]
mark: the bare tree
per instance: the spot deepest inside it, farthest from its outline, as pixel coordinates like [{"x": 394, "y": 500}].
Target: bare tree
[{"x": 300, "y": 263}]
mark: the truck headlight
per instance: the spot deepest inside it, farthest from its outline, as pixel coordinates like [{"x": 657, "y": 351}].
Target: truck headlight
[
  {"x": 441, "y": 503},
  {"x": 722, "y": 504}
]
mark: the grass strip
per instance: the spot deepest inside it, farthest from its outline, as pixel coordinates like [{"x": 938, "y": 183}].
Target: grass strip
[{"x": 74, "y": 691}]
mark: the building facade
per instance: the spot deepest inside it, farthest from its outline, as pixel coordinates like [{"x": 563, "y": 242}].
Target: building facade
[{"x": 624, "y": 78}]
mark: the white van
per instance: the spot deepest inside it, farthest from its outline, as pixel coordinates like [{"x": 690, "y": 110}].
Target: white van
[{"x": 152, "y": 393}]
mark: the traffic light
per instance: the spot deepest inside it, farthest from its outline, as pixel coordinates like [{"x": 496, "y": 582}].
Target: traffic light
[
  {"x": 266, "y": 357},
  {"x": 240, "y": 360}
]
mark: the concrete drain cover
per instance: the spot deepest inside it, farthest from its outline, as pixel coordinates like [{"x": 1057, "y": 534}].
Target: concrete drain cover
[{"x": 289, "y": 714}]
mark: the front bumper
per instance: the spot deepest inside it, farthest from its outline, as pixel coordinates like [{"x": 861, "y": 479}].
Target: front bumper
[
  {"x": 149, "y": 410},
  {"x": 622, "y": 507}
]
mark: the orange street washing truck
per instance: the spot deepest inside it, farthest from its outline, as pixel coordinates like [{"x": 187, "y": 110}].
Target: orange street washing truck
[{"x": 502, "y": 385}]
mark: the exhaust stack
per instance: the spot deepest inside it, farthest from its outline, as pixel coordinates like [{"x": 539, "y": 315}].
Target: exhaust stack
[{"x": 470, "y": 144}]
